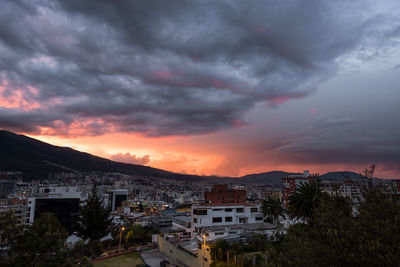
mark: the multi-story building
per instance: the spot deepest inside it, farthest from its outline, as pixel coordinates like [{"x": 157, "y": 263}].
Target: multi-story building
[
  {"x": 349, "y": 189},
  {"x": 227, "y": 214},
  {"x": 117, "y": 197},
  {"x": 20, "y": 213},
  {"x": 290, "y": 183},
  {"x": 221, "y": 194},
  {"x": 224, "y": 208},
  {"x": 6, "y": 187},
  {"x": 63, "y": 202}
]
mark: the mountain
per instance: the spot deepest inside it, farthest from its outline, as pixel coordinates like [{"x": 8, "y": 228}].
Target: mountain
[
  {"x": 36, "y": 159},
  {"x": 273, "y": 177},
  {"x": 341, "y": 176}
]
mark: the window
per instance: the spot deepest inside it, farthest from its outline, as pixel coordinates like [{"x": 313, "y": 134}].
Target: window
[
  {"x": 217, "y": 209},
  {"x": 194, "y": 220},
  {"x": 219, "y": 233},
  {"x": 199, "y": 212},
  {"x": 254, "y": 210},
  {"x": 239, "y": 210},
  {"x": 259, "y": 218},
  {"x": 228, "y": 210},
  {"x": 217, "y": 219},
  {"x": 228, "y": 219}
]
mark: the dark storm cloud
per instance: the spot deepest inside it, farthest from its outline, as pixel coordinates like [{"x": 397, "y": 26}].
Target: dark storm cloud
[
  {"x": 345, "y": 141},
  {"x": 167, "y": 68}
]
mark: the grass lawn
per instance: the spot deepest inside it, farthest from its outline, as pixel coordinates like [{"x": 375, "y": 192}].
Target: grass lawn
[{"x": 131, "y": 259}]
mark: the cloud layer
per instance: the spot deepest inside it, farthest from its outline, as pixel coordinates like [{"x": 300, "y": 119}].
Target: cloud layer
[
  {"x": 189, "y": 68},
  {"x": 182, "y": 68}
]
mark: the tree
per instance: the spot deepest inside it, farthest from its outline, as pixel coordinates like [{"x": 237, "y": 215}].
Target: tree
[
  {"x": 338, "y": 238},
  {"x": 140, "y": 234},
  {"x": 9, "y": 229},
  {"x": 42, "y": 244},
  {"x": 218, "y": 250},
  {"x": 272, "y": 208},
  {"x": 305, "y": 200},
  {"x": 369, "y": 172},
  {"x": 95, "y": 221}
]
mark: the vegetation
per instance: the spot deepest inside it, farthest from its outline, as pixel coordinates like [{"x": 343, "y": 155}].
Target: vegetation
[
  {"x": 41, "y": 244},
  {"x": 9, "y": 229},
  {"x": 131, "y": 260},
  {"x": 272, "y": 209},
  {"x": 95, "y": 221},
  {"x": 304, "y": 202},
  {"x": 337, "y": 237},
  {"x": 332, "y": 232},
  {"x": 139, "y": 234}
]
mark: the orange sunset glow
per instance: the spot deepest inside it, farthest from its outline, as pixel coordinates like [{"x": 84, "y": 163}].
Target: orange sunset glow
[{"x": 208, "y": 94}]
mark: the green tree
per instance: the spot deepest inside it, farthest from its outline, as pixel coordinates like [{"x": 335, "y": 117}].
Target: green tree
[
  {"x": 272, "y": 209},
  {"x": 95, "y": 220},
  {"x": 9, "y": 229},
  {"x": 42, "y": 244},
  {"x": 218, "y": 250},
  {"x": 139, "y": 234},
  {"x": 338, "y": 237},
  {"x": 305, "y": 200}
]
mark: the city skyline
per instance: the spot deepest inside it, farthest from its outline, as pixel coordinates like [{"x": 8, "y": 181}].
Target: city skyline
[{"x": 226, "y": 88}]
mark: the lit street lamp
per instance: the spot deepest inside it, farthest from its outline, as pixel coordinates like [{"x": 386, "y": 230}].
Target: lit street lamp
[{"x": 120, "y": 237}]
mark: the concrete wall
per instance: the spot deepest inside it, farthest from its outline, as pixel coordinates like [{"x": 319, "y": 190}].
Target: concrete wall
[{"x": 182, "y": 257}]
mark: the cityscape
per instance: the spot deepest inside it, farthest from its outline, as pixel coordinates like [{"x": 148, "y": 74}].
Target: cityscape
[{"x": 199, "y": 133}]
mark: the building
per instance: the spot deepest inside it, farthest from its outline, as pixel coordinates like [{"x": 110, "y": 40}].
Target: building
[
  {"x": 226, "y": 211},
  {"x": 117, "y": 197},
  {"x": 63, "y": 202},
  {"x": 7, "y": 187},
  {"x": 224, "y": 214},
  {"x": 291, "y": 182},
  {"x": 349, "y": 189},
  {"x": 19, "y": 211},
  {"x": 220, "y": 194}
]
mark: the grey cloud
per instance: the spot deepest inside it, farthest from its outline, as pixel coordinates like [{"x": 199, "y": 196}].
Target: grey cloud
[{"x": 186, "y": 67}]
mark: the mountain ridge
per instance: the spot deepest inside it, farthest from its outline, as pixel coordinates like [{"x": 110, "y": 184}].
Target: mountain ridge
[{"x": 36, "y": 159}]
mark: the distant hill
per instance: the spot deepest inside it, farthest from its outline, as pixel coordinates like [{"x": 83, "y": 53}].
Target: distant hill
[
  {"x": 273, "y": 177},
  {"x": 37, "y": 159},
  {"x": 341, "y": 176}
]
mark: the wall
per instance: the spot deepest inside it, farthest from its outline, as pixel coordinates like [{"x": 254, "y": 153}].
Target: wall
[{"x": 180, "y": 256}]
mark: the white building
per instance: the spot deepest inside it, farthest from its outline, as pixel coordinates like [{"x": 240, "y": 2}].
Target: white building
[
  {"x": 216, "y": 215},
  {"x": 349, "y": 190}
]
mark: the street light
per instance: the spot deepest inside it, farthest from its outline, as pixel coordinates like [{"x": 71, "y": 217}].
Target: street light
[
  {"x": 120, "y": 237},
  {"x": 204, "y": 254}
]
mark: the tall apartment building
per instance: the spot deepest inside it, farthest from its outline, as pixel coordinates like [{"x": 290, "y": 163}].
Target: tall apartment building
[{"x": 291, "y": 182}]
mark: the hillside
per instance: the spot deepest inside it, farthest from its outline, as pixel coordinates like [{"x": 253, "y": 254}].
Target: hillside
[
  {"x": 273, "y": 177},
  {"x": 36, "y": 159}
]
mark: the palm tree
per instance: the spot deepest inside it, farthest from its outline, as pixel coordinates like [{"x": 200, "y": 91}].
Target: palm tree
[
  {"x": 304, "y": 202},
  {"x": 272, "y": 208}
]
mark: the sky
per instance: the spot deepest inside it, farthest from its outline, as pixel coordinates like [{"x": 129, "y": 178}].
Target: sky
[{"x": 208, "y": 87}]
